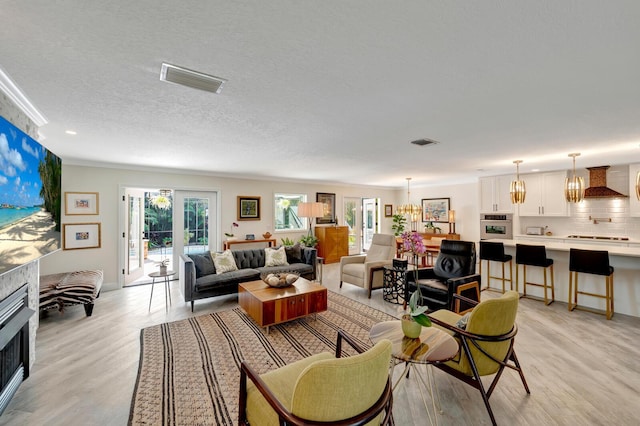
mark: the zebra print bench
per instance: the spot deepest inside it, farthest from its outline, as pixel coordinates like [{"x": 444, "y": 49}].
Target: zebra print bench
[{"x": 70, "y": 288}]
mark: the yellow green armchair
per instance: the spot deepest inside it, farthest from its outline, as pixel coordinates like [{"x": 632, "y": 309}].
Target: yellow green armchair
[
  {"x": 321, "y": 389},
  {"x": 486, "y": 342}
]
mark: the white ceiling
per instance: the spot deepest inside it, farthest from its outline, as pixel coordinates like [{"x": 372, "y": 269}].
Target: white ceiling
[{"x": 333, "y": 91}]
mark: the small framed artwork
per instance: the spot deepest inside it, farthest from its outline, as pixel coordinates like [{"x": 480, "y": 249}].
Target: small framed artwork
[
  {"x": 80, "y": 203},
  {"x": 435, "y": 210},
  {"x": 248, "y": 208},
  {"x": 81, "y": 235},
  {"x": 250, "y": 237},
  {"x": 388, "y": 210},
  {"x": 329, "y": 211}
]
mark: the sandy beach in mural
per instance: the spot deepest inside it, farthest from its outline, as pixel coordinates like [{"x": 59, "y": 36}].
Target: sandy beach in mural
[{"x": 27, "y": 239}]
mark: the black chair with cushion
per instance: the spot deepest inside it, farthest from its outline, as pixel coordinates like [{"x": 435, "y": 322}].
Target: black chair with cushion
[
  {"x": 494, "y": 252},
  {"x": 530, "y": 255},
  {"x": 454, "y": 272},
  {"x": 594, "y": 262}
]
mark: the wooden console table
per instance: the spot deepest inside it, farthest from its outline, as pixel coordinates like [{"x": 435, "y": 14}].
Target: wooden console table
[{"x": 227, "y": 244}]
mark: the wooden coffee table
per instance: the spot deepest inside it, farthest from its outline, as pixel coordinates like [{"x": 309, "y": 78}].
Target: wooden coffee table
[{"x": 270, "y": 306}]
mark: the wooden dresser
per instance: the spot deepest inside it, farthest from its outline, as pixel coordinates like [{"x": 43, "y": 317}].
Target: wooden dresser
[{"x": 333, "y": 242}]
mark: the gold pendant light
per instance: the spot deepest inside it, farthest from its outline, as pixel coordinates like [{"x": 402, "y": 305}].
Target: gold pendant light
[
  {"x": 574, "y": 186},
  {"x": 413, "y": 210},
  {"x": 517, "y": 189}
]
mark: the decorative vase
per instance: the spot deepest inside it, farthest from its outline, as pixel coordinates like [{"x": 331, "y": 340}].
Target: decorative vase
[
  {"x": 410, "y": 328},
  {"x": 163, "y": 269},
  {"x": 232, "y": 238}
]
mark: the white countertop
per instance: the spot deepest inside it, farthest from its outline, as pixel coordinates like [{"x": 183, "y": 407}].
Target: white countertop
[{"x": 562, "y": 244}]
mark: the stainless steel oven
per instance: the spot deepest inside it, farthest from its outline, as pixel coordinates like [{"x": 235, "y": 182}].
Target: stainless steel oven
[{"x": 496, "y": 226}]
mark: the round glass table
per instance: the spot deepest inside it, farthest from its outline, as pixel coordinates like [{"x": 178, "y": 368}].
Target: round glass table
[{"x": 433, "y": 346}]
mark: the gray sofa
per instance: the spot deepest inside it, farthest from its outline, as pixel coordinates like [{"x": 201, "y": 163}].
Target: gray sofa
[{"x": 199, "y": 279}]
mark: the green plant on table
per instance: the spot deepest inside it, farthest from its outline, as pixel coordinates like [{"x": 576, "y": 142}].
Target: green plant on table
[
  {"x": 309, "y": 240},
  {"x": 287, "y": 241},
  {"x": 416, "y": 312},
  {"x": 399, "y": 222}
]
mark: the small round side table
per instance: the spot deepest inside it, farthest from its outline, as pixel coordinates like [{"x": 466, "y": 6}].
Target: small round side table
[
  {"x": 393, "y": 284},
  {"x": 166, "y": 276}
]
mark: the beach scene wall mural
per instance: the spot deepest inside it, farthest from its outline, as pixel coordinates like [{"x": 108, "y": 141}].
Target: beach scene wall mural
[{"x": 30, "y": 198}]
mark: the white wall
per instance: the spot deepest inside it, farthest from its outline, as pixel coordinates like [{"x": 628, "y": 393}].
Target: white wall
[{"x": 108, "y": 181}]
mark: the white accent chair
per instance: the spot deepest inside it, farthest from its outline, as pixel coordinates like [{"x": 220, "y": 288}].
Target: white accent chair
[{"x": 366, "y": 270}]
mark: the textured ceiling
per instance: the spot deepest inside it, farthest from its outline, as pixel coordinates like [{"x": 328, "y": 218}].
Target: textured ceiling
[{"x": 333, "y": 91}]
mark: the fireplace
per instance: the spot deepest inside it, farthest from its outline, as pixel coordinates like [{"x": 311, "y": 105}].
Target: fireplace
[{"x": 14, "y": 343}]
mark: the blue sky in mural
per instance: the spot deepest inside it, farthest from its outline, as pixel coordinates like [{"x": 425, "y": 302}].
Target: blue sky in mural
[{"x": 20, "y": 156}]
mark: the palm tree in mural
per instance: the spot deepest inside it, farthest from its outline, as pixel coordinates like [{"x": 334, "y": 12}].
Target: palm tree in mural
[{"x": 50, "y": 170}]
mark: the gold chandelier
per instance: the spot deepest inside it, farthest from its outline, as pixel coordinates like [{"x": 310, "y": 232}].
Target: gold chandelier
[
  {"x": 413, "y": 210},
  {"x": 574, "y": 185},
  {"x": 517, "y": 189}
]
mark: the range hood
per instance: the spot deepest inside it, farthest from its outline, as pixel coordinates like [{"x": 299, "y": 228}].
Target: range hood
[{"x": 598, "y": 184}]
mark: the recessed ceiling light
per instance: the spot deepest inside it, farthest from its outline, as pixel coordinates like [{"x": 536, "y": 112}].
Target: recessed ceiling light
[
  {"x": 71, "y": 132},
  {"x": 424, "y": 142},
  {"x": 194, "y": 79}
]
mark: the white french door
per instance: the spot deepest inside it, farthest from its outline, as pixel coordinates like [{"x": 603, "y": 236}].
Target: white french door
[
  {"x": 134, "y": 256},
  {"x": 370, "y": 220}
]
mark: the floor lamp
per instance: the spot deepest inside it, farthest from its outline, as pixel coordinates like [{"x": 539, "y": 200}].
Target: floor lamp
[{"x": 310, "y": 210}]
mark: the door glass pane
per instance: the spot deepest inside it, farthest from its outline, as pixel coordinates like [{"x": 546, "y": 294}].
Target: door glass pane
[
  {"x": 196, "y": 225},
  {"x": 350, "y": 218},
  {"x": 159, "y": 226},
  {"x": 134, "y": 234}
]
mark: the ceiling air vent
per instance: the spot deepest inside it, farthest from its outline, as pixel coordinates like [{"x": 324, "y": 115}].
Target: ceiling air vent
[
  {"x": 193, "y": 79},
  {"x": 424, "y": 142}
]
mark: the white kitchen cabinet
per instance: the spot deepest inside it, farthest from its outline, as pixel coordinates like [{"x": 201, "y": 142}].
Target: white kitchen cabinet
[
  {"x": 634, "y": 204},
  {"x": 494, "y": 194},
  {"x": 545, "y": 195}
]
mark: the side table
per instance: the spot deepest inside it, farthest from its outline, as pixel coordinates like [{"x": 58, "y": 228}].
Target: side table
[
  {"x": 319, "y": 263},
  {"x": 393, "y": 284},
  {"x": 433, "y": 346},
  {"x": 166, "y": 276}
]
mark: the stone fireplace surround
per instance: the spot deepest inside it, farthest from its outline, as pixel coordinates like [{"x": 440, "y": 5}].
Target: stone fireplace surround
[{"x": 12, "y": 280}]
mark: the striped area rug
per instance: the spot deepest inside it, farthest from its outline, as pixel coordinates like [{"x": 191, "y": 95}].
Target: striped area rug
[{"x": 189, "y": 369}]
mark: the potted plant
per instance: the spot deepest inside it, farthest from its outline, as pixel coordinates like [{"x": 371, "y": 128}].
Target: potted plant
[
  {"x": 287, "y": 241},
  {"x": 230, "y": 235},
  {"x": 430, "y": 227},
  {"x": 163, "y": 266},
  {"x": 399, "y": 222},
  {"x": 309, "y": 241},
  {"x": 413, "y": 322}
]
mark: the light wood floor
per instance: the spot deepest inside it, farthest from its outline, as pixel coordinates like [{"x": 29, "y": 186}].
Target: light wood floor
[{"x": 581, "y": 368}]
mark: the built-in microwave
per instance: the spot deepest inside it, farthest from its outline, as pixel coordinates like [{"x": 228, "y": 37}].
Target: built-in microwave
[{"x": 496, "y": 226}]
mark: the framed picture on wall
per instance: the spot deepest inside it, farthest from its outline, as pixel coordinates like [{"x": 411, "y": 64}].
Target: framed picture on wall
[
  {"x": 248, "y": 208},
  {"x": 80, "y": 203},
  {"x": 435, "y": 210},
  {"x": 388, "y": 210},
  {"x": 81, "y": 236},
  {"x": 329, "y": 201}
]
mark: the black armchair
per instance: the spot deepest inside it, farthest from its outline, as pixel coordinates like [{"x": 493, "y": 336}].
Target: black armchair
[{"x": 453, "y": 273}]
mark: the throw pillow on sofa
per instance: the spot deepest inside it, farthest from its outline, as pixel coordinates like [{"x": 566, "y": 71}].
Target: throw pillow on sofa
[
  {"x": 203, "y": 263},
  {"x": 294, "y": 253},
  {"x": 275, "y": 257},
  {"x": 224, "y": 262}
]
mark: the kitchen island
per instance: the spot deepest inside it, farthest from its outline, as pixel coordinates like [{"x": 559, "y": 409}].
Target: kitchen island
[{"x": 624, "y": 256}]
